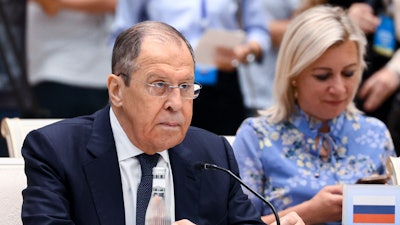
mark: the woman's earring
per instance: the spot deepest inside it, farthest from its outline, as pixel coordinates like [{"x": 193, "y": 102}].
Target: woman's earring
[{"x": 295, "y": 93}]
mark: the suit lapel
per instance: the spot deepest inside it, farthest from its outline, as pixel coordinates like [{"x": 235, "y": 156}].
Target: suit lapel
[
  {"x": 186, "y": 184},
  {"x": 103, "y": 174}
]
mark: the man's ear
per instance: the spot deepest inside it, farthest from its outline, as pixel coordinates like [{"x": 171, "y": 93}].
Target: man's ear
[{"x": 115, "y": 85}]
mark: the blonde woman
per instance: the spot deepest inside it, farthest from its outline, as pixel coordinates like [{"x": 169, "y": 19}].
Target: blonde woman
[{"x": 300, "y": 151}]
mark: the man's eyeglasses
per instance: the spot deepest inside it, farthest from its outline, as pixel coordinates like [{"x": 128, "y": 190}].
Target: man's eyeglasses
[{"x": 162, "y": 89}]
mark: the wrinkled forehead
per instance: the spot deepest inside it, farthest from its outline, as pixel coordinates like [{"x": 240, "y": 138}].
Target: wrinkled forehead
[
  {"x": 164, "y": 37},
  {"x": 165, "y": 59}
]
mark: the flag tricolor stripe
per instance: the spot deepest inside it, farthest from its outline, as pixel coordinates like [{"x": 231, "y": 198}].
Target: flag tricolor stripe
[
  {"x": 374, "y": 200},
  {"x": 374, "y": 218},
  {"x": 373, "y": 209}
]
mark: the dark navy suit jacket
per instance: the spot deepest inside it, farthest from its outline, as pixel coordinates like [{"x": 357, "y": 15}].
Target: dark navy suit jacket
[{"x": 74, "y": 177}]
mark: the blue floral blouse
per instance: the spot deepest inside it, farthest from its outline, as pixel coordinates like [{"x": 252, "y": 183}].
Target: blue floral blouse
[{"x": 282, "y": 160}]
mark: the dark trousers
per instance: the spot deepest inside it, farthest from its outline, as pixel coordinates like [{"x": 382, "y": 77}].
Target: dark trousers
[
  {"x": 65, "y": 101},
  {"x": 219, "y": 108}
]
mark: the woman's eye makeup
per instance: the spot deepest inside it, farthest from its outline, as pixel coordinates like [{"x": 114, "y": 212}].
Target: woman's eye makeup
[
  {"x": 349, "y": 73},
  {"x": 325, "y": 76},
  {"x": 322, "y": 77}
]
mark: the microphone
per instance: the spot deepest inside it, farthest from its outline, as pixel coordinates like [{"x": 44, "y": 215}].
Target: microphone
[{"x": 207, "y": 166}]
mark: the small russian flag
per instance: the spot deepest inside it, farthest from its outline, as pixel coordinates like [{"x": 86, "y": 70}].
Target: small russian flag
[
  {"x": 374, "y": 209},
  {"x": 371, "y": 204}
]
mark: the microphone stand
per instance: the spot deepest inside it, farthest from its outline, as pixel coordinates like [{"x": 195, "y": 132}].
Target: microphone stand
[{"x": 207, "y": 166}]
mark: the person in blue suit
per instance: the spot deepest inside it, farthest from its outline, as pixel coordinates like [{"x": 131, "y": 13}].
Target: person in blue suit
[{"x": 84, "y": 170}]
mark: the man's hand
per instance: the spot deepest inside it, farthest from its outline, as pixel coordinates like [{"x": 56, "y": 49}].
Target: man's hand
[
  {"x": 50, "y": 7},
  {"x": 377, "y": 88},
  {"x": 227, "y": 59},
  {"x": 363, "y": 15},
  {"x": 183, "y": 222}
]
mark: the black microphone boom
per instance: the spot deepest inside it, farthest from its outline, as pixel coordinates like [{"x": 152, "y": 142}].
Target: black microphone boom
[{"x": 206, "y": 166}]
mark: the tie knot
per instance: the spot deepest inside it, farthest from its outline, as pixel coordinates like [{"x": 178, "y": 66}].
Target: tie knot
[{"x": 147, "y": 162}]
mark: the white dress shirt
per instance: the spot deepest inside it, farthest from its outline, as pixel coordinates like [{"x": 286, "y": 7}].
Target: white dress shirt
[{"x": 131, "y": 172}]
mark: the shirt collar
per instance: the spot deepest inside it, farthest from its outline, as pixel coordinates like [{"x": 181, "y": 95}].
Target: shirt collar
[
  {"x": 310, "y": 125},
  {"x": 125, "y": 148}
]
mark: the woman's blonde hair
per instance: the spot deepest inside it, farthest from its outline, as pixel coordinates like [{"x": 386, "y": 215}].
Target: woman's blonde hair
[{"x": 308, "y": 36}]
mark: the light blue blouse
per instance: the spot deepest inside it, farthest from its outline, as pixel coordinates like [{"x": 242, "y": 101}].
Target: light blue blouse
[{"x": 282, "y": 162}]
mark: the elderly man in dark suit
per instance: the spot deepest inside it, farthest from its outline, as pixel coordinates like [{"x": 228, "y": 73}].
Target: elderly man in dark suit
[{"x": 87, "y": 170}]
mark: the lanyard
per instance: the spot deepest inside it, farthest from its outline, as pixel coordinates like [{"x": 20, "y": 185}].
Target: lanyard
[{"x": 203, "y": 10}]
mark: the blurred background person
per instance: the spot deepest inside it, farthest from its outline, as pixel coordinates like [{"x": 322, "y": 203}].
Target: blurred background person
[
  {"x": 256, "y": 79},
  {"x": 68, "y": 52},
  {"x": 220, "y": 108},
  {"x": 313, "y": 139},
  {"x": 16, "y": 99},
  {"x": 394, "y": 115}
]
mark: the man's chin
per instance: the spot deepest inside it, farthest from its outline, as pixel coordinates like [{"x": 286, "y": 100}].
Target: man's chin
[{"x": 171, "y": 139}]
